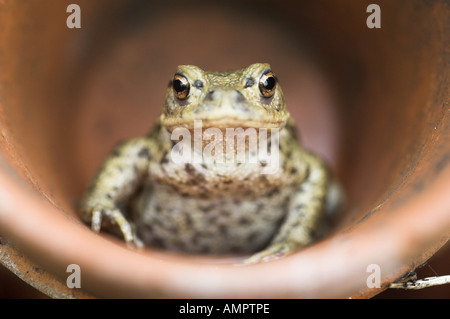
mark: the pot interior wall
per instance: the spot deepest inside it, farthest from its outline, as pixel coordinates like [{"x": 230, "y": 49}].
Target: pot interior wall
[
  {"x": 364, "y": 98},
  {"x": 368, "y": 100}
]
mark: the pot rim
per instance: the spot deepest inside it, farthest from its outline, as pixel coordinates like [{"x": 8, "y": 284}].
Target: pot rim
[{"x": 333, "y": 268}]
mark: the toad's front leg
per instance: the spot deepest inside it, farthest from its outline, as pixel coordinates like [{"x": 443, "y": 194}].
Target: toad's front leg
[
  {"x": 305, "y": 209},
  {"x": 116, "y": 181}
]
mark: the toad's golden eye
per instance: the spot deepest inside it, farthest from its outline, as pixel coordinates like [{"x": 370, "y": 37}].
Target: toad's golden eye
[
  {"x": 180, "y": 86},
  {"x": 267, "y": 84}
]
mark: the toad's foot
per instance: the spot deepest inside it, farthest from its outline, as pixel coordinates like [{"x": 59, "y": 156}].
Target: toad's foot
[
  {"x": 271, "y": 253},
  {"x": 115, "y": 217}
]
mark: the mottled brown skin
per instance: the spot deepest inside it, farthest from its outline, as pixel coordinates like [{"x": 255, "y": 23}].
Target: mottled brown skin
[{"x": 207, "y": 207}]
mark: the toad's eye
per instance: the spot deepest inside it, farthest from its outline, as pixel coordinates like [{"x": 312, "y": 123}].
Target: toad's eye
[
  {"x": 267, "y": 84},
  {"x": 180, "y": 86}
]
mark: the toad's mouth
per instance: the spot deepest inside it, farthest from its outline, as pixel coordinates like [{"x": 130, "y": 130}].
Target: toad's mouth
[
  {"x": 230, "y": 135},
  {"x": 224, "y": 123}
]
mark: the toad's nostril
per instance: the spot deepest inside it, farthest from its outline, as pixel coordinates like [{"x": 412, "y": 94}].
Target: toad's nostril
[
  {"x": 209, "y": 95},
  {"x": 239, "y": 97}
]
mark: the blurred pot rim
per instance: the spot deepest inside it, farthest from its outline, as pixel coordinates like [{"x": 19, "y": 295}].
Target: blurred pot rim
[{"x": 334, "y": 268}]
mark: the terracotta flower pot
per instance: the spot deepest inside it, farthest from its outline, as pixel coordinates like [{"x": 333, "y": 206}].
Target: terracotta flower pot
[{"x": 373, "y": 102}]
